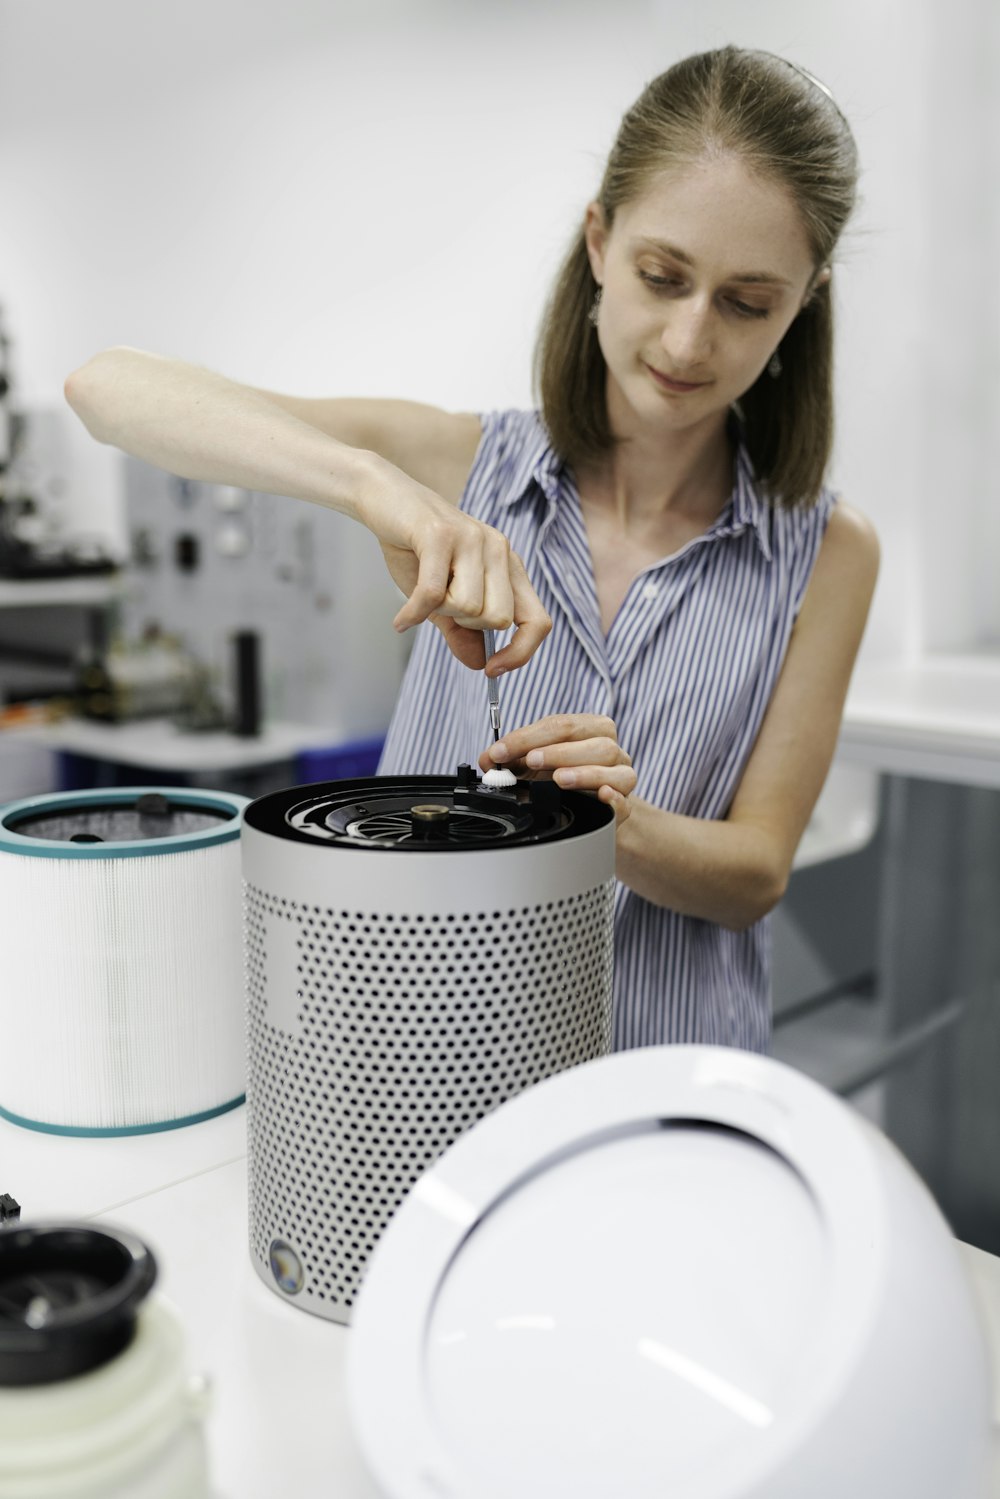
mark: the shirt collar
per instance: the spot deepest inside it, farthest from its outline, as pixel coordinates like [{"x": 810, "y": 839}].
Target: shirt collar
[
  {"x": 746, "y": 507},
  {"x": 540, "y": 464}
]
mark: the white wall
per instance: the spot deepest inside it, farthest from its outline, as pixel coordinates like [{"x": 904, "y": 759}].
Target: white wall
[{"x": 369, "y": 196}]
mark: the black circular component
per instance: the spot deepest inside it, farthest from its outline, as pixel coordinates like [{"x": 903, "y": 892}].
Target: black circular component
[
  {"x": 153, "y": 804},
  {"x": 389, "y": 818},
  {"x": 391, "y": 812},
  {"x": 69, "y": 1297}
]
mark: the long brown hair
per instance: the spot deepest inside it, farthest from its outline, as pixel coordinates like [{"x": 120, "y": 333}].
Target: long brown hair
[{"x": 786, "y": 127}]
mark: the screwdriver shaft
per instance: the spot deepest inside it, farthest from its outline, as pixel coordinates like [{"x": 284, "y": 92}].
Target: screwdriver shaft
[{"x": 492, "y": 685}]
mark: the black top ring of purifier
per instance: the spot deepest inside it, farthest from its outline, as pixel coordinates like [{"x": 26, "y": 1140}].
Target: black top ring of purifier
[
  {"x": 69, "y": 1298},
  {"x": 426, "y": 813}
]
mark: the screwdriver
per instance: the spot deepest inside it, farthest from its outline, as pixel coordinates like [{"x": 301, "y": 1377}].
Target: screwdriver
[{"x": 492, "y": 685}]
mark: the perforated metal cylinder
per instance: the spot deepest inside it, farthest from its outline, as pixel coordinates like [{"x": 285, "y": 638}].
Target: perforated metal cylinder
[{"x": 395, "y": 996}]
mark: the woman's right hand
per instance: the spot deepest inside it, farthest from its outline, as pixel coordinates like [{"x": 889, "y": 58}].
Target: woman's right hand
[
  {"x": 354, "y": 456},
  {"x": 457, "y": 572}
]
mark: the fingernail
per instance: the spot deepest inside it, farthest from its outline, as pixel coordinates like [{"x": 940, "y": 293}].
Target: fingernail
[
  {"x": 534, "y": 758},
  {"x": 566, "y": 777},
  {"x": 499, "y": 751}
]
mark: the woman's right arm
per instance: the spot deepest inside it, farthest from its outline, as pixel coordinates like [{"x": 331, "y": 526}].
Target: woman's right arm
[{"x": 397, "y": 467}]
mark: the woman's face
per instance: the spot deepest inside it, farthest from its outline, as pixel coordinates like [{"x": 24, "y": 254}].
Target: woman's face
[{"x": 701, "y": 278}]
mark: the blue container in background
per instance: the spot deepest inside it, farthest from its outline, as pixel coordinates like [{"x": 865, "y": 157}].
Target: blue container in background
[{"x": 340, "y": 762}]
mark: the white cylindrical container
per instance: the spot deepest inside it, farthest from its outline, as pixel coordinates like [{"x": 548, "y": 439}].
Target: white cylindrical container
[
  {"x": 95, "y": 1398},
  {"x": 122, "y": 1007},
  {"x": 418, "y": 950}
]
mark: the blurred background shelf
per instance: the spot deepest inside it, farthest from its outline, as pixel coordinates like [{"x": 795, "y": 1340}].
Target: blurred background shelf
[{"x": 57, "y": 592}]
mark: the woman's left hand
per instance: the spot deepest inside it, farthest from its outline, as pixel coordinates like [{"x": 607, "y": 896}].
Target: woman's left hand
[{"x": 579, "y": 751}]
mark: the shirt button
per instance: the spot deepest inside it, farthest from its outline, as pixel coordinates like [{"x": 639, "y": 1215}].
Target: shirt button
[{"x": 650, "y": 590}]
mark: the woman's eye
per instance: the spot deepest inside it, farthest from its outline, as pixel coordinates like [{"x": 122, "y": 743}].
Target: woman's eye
[
  {"x": 659, "y": 283},
  {"x": 746, "y": 309}
]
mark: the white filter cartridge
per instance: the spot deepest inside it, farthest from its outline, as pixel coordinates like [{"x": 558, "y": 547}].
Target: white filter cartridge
[{"x": 122, "y": 1002}]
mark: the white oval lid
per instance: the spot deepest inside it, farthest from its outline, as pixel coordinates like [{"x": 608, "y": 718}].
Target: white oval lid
[
  {"x": 643, "y": 1276},
  {"x": 697, "y": 1369}
]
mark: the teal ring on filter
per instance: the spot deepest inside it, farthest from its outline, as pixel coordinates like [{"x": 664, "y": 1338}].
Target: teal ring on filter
[
  {"x": 12, "y": 842},
  {"x": 122, "y": 1129}
]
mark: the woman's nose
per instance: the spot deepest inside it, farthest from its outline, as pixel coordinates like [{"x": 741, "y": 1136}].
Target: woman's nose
[{"x": 687, "y": 333}]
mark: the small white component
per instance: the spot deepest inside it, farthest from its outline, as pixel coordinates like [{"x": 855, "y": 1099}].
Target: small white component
[
  {"x": 230, "y": 499},
  {"x": 499, "y": 776},
  {"x": 232, "y": 540}
]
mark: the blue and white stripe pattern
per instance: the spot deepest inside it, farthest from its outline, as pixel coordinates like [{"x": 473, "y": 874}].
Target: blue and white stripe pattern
[{"x": 686, "y": 672}]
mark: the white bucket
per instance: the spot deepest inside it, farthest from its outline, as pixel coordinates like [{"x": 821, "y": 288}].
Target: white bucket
[{"x": 96, "y": 1401}]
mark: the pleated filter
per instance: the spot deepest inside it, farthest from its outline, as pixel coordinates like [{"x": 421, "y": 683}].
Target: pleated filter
[{"x": 122, "y": 1003}]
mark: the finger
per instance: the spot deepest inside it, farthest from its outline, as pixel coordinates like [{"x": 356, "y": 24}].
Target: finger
[
  {"x": 531, "y": 621},
  {"x": 611, "y": 783},
  {"x": 621, "y": 778},
  {"x": 577, "y": 752},
  {"x": 608, "y": 786},
  {"x": 431, "y": 587},
  {"x": 465, "y": 645},
  {"x": 559, "y": 729},
  {"x": 620, "y": 805},
  {"x": 466, "y": 597},
  {"x": 480, "y": 596},
  {"x": 451, "y": 577},
  {"x": 498, "y": 595}
]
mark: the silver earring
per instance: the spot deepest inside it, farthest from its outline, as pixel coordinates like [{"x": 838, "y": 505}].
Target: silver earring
[
  {"x": 595, "y": 307},
  {"x": 774, "y": 365}
]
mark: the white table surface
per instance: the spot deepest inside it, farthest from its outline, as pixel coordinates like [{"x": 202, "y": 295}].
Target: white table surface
[
  {"x": 278, "y": 1423},
  {"x": 157, "y": 742},
  {"x": 937, "y": 717}
]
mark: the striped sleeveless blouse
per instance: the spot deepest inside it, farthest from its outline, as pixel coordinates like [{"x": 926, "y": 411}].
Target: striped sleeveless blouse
[{"x": 686, "y": 672}]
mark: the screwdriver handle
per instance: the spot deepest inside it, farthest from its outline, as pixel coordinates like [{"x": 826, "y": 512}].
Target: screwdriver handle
[{"x": 492, "y": 685}]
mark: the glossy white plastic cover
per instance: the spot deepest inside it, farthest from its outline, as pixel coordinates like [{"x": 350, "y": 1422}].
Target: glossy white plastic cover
[
  {"x": 698, "y": 1370},
  {"x": 677, "y": 1270}
]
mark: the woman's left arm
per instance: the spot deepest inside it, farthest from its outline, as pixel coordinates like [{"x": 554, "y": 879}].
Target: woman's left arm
[{"x": 734, "y": 870}]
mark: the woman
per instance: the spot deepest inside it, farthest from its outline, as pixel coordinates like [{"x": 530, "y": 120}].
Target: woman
[{"x": 664, "y": 514}]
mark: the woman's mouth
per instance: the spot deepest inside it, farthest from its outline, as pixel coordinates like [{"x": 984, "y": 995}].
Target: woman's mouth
[{"x": 679, "y": 387}]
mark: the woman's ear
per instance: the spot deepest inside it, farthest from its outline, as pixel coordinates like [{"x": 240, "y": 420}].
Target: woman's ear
[
  {"x": 821, "y": 278},
  {"x": 595, "y": 235}
]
